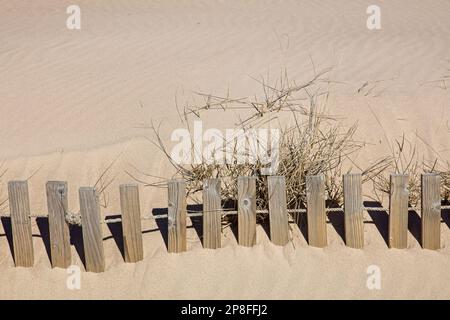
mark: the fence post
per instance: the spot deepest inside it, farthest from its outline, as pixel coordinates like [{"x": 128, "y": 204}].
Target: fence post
[
  {"x": 247, "y": 211},
  {"x": 212, "y": 214},
  {"x": 92, "y": 231},
  {"x": 431, "y": 211},
  {"x": 19, "y": 205},
  {"x": 278, "y": 216},
  {"x": 57, "y": 205},
  {"x": 131, "y": 222},
  {"x": 177, "y": 216},
  {"x": 353, "y": 210},
  {"x": 398, "y": 211},
  {"x": 316, "y": 215}
]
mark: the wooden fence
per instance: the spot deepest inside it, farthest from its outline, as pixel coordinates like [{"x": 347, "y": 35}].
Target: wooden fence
[{"x": 212, "y": 214}]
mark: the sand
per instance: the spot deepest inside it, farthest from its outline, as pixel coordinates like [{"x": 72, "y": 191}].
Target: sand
[{"x": 71, "y": 102}]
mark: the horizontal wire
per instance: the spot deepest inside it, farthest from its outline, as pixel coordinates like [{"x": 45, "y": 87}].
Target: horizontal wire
[
  {"x": 225, "y": 212},
  {"x": 193, "y": 213}
]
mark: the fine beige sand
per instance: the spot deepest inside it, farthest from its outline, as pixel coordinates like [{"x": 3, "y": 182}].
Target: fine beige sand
[{"x": 72, "y": 102}]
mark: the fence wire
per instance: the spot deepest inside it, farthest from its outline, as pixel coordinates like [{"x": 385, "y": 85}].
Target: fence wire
[{"x": 226, "y": 212}]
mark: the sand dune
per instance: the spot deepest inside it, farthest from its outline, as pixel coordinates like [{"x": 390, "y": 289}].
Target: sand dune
[{"x": 71, "y": 102}]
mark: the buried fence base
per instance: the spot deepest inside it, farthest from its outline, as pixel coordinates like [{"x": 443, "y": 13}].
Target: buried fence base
[{"x": 213, "y": 212}]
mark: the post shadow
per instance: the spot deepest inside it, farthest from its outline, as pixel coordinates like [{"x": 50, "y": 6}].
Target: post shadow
[
  {"x": 162, "y": 224},
  {"x": 380, "y": 219},
  {"x": 44, "y": 230},
  {"x": 446, "y": 214},
  {"x": 301, "y": 219},
  {"x": 231, "y": 205},
  {"x": 415, "y": 226},
  {"x": 337, "y": 219},
  {"x": 265, "y": 224},
  {"x": 234, "y": 227},
  {"x": 197, "y": 222},
  {"x": 150, "y": 230},
  {"x": 116, "y": 233},
  {"x": 6, "y": 222},
  {"x": 76, "y": 239}
]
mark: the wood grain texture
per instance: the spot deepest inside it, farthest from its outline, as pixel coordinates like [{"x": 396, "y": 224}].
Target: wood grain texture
[
  {"x": 92, "y": 231},
  {"x": 177, "y": 216},
  {"x": 278, "y": 216},
  {"x": 316, "y": 214},
  {"x": 431, "y": 211},
  {"x": 19, "y": 205},
  {"x": 131, "y": 222},
  {"x": 353, "y": 210},
  {"x": 398, "y": 211},
  {"x": 247, "y": 211},
  {"x": 212, "y": 214},
  {"x": 57, "y": 204}
]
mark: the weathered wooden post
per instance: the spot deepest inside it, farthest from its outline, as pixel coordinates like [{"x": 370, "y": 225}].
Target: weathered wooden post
[
  {"x": 19, "y": 205},
  {"x": 247, "y": 211},
  {"x": 398, "y": 211},
  {"x": 92, "y": 230},
  {"x": 353, "y": 210},
  {"x": 177, "y": 216},
  {"x": 431, "y": 211},
  {"x": 131, "y": 222},
  {"x": 278, "y": 216},
  {"x": 212, "y": 214},
  {"x": 317, "y": 218},
  {"x": 57, "y": 205}
]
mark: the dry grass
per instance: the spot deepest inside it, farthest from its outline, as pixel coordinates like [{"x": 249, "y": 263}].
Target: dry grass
[
  {"x": 101, "y": 185},
  {"x": 4, "y": 200},
  {"x": 311, "y": 141},
  {"x": 445, "y": 193},
  {"x": 406, "y": 159}
]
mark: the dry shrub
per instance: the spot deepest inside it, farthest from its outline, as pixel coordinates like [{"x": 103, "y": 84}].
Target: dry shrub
[
  {"x": 406, "y": 159},
  {"x": 311, "y": 142},
  {"x": 446, "y": 184}
]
